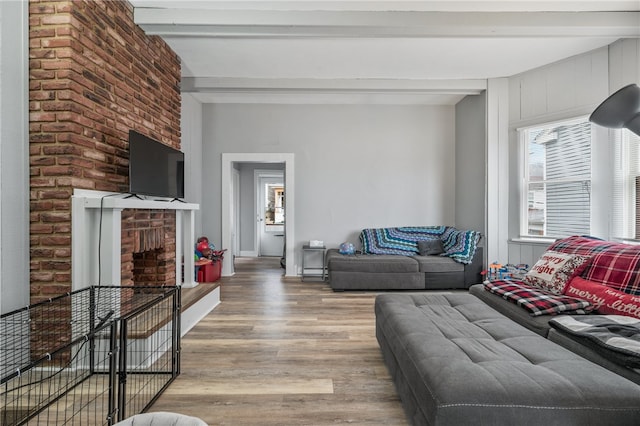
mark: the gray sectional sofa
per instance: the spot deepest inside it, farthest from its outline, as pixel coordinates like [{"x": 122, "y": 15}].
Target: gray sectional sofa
[
  {"x": 604, "y": 267},
  {"x": 457, "y": 361},
  {"x": 480, "y": 358},
  {"x": 409, "y": 258},
  {"x": 396, "y": 272}
]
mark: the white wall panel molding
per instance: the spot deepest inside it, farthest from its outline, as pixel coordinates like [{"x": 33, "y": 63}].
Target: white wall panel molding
[
  {"x": 564, "y": 89},
  {"x": 497, "y": 163},
  {"x": 624, "y": 63}
]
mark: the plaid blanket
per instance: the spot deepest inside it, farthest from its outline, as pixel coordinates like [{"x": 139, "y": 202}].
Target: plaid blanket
[
  {"x": 537, "y": 301},
  {"x": 614, "y": 336},
  {"x": 614, "y": 264}
]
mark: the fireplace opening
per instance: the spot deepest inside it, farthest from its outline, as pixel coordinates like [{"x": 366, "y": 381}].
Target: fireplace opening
[
  {"x": 148, "y": 248},
  {"x": 150, "y": 268}
]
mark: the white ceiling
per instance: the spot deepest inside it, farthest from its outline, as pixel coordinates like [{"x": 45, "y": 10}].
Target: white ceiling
[{"x": 360, "y": 51}]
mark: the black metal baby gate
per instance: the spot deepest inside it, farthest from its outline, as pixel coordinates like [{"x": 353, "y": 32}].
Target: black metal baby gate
[{"x": 90, "y": 357}]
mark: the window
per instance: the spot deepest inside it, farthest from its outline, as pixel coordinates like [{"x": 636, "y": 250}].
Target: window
[
  {"x": 556, "y": 199},
  {"x": 274, "y": 204},
  {"x": 626, "y": 183}
]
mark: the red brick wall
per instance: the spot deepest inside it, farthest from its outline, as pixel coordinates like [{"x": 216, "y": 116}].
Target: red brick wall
[{"x": 94, "y": 75}]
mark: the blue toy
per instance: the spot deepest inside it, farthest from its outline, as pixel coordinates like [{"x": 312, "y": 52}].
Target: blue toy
[{"x": 347, "y": 248}]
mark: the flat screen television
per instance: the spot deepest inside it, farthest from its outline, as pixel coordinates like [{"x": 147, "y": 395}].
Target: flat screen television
[{"x": 155, "y": 169}]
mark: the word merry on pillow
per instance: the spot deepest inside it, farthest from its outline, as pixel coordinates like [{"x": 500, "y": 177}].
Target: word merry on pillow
[
  {"x": 605, "y": 299},
  {"x": 554, "y": 270}
]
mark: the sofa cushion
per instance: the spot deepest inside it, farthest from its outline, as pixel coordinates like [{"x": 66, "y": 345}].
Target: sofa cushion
[
  {"x": 554, "y": 269},
  {"x": 370, "y": 263},
  {"x": 438, "y": 264},
  {"x": 375, "y": 281}
]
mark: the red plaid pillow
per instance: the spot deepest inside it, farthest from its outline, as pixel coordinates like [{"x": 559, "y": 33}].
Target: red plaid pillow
[
  {"x": 585, "y": 246},
  {"x": 616, "y": 265}
]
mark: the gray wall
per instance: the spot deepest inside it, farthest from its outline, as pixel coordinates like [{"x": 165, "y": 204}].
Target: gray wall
[
  {"x": 195, "y": 179},
  {"x": 471, "y": 135},
  {"x": 14, "y": 163},
  {"x": 356, "y": 166}
]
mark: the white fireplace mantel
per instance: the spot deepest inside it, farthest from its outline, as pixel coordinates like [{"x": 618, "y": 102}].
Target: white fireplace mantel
[{"x": 96, "y": 230}]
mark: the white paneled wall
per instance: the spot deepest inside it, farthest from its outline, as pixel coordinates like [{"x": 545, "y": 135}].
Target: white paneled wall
[
  {"x": 559, "y": 90},
  {"x": 565, "y": 89},
  {"x": 572, "y": 87},
  {"x": 526, "y": 251},
  {"x": 624, "y": 63}
]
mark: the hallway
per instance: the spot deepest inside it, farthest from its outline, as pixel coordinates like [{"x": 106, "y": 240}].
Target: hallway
[{"x": 278, "y": 351}]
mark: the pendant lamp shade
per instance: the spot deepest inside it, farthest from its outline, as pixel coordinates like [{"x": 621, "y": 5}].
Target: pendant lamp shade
[{"x": 622, "y": 109}]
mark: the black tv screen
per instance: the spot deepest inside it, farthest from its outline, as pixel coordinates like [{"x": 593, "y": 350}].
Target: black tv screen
[{"x": 154, "y": 168}]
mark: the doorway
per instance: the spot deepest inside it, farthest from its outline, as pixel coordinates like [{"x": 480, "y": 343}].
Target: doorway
[
  {"x": 270, "y": 209},
  {"x": 228, "y": 232}
]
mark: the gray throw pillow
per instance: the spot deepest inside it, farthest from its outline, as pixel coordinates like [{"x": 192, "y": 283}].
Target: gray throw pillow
[{"x": 430, "y": 247}]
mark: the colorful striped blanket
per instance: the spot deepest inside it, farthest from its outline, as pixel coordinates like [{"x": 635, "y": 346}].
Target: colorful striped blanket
[{"x": 459, "y": 245}]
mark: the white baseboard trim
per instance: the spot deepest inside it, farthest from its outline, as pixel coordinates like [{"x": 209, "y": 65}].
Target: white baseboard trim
[
  {"x": 199, "y": 310},
  {"x": 248, "y": 253}
]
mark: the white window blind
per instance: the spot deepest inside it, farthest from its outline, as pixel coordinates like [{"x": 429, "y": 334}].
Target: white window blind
[
  {"x": 625, "y": 213},
  {"x": 557, "y": 179}
]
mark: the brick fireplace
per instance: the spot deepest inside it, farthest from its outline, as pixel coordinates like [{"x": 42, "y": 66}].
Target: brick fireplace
[
  {"x": 94, "y": 75},
  {"x": 141, "y": 249},
  {"x": 148, "y": 247}
]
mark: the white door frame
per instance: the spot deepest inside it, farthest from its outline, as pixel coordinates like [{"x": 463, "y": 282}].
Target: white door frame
[
  {"x": 235, "y": 227},
  {"x": 258, "y": 175},
  {"x": 228, "y": 159}
]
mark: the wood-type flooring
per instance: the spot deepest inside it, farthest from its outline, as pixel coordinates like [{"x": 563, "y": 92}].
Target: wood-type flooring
[{"x": 279, "y": 351}]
